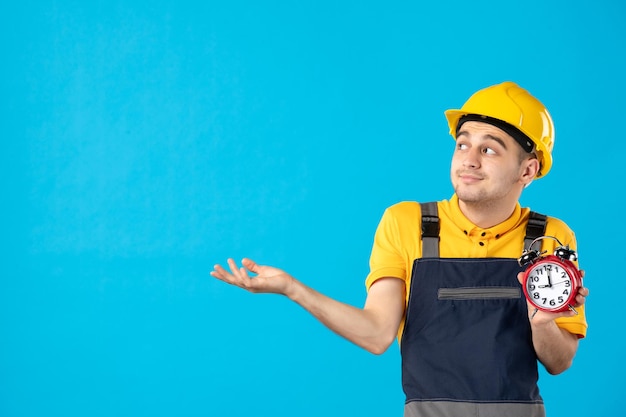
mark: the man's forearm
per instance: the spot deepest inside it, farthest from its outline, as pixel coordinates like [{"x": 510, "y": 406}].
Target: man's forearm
[
  {"x": 555, "y": 347},
  {"x": 373, "y": 327}
]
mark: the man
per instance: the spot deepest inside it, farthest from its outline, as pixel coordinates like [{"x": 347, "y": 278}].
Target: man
[{"x": 463, "y": 352}]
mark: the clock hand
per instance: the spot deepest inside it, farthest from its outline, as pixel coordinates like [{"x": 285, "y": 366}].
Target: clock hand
[
  {"x": 549, "y": 277},
  {"x": 549, "y": 284}
]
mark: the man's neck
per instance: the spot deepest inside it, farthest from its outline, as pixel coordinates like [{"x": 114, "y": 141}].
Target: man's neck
[{"x": 486, "y": 214}]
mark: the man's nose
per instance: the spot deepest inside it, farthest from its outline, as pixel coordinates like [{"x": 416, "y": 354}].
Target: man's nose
[{"x": 472, "y": 159}]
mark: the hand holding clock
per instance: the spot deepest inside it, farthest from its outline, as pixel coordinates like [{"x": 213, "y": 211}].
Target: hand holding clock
[
  {"x": 540, "y": 316},
  {"x": 547, "y": 300}
]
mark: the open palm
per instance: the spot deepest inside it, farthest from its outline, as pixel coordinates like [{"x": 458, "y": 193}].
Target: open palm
[{"x": 266, "y": 279}]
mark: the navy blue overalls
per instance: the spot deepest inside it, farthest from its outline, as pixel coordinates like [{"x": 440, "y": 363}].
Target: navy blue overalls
[{"x": 466, "y": 346}]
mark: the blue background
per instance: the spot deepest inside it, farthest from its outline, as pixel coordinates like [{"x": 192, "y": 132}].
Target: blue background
[{"x": 142, "y": 142}]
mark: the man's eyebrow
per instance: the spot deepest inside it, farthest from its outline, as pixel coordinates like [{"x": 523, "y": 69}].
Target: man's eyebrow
[{"x": 497, "y": 139}]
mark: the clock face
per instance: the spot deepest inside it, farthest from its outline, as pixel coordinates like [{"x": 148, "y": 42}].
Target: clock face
[{"x": 549, "y": 286}]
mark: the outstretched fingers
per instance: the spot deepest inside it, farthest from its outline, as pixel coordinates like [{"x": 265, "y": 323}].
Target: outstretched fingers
[
  {"x": 237, "y": 276},
  {"x": 250, "y": 265}
]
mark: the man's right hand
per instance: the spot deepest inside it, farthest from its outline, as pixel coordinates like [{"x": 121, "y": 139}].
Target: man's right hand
[{"x": 267, "y": 279}]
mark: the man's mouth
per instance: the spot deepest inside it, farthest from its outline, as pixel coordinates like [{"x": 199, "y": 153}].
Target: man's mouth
[{"x": 467, "y": 177}]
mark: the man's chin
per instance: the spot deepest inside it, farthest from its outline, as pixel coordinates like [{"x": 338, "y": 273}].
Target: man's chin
[{"x": 468, "y": 196}]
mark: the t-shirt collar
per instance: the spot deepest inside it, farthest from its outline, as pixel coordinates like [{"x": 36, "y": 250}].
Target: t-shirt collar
[{"x": 466, "y": 225}]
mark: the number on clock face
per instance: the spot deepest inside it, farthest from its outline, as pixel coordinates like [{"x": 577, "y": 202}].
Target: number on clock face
[{"x": 549, "y": 285}]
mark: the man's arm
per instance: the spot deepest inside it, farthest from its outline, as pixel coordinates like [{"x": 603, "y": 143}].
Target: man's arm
[
  {"x": 374, "y": 327},
  {"x": 555, "y": 347}
]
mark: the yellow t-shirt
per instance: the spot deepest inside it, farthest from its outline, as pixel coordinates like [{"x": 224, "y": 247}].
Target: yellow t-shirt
[{"x": 398, "y": 243}]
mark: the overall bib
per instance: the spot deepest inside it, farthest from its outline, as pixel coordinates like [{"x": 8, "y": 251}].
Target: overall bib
[{"x": 466, "y": 346}]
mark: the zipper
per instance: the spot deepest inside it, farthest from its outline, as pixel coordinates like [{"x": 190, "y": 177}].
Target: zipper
[{"x": 478, "y": 293}]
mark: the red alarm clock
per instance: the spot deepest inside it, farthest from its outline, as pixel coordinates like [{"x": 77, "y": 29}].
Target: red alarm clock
[{"x": 551, "y": 282}]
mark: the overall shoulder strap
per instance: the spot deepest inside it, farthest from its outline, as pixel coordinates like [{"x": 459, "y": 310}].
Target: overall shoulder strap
[
  {"x": 535, "y": 228},
  {"x": 430, "y": 230}
]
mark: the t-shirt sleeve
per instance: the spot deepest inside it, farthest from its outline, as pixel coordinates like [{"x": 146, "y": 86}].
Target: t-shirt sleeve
[
  {"x": 387, "y": 258},
  {"x": 576, "y": 324}
]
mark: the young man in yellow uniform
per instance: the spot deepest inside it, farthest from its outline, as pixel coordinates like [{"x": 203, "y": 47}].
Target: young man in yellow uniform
[{"x": 461, "y": 355}]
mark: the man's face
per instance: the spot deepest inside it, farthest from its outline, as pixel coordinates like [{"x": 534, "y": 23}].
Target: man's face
[{"x": 486, "y": 166}]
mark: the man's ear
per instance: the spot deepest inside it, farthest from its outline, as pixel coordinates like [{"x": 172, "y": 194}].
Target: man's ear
[{"x": 530, "y": 169}]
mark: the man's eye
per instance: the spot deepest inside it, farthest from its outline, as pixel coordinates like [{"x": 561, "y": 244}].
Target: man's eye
[
  {"x": 489, "y": 151},
  {"x": 461, "y": 146}
]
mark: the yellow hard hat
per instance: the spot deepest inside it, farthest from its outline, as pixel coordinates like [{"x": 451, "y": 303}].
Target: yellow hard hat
[{"x": 520, "y": 112}]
